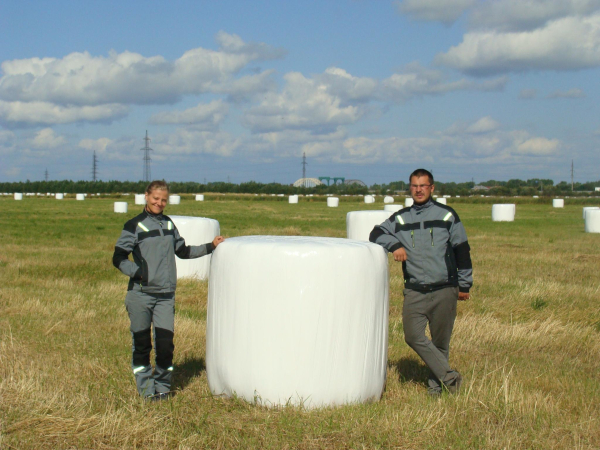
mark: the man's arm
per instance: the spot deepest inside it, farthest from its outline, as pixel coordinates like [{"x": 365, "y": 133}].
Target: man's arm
[
  {"x": 462, "y": 255},
  {"x": 384, "y": 235}
]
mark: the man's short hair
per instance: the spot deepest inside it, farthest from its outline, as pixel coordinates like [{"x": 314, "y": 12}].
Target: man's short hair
[{"x": 422, "y": 173}]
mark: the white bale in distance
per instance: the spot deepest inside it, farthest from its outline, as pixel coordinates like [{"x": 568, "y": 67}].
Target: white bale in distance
[
  {"x": 504, "y": 212},
  {"x": 441, "y": 200},
  {"x": 388, "y": 199},
  {"x": 140, "y": 199},
  {"x": 195, "y": 231},
  {"x": 174, "y": 199},
  {"x": 359, "y": 224},
  {"x": 536, "y": 196},
  {"x": 392, "y": 208},
  {"x": 369, "y": 199},
  {"x": 280, "y": 195},
  {"x": 558, "y": 203},
  {"x": 120, "y": 207},
  {"x": 592, "y": 221},
  {"x": 333, "y": 202},
  {"x": 59, "y": 196},
  {"x": 408, "y": 201},
  {"x": 457, "y": 196},
  {"x": 293, "y": 199},
  {"x": 447, "y": 196},
  {"x": 200, "y": 197},
  {"x": 297, "y": 320},
  {"x": 18, "y": 196},
  {"x": 588, "y": 208},
  {"x": 80, "y": 197}
]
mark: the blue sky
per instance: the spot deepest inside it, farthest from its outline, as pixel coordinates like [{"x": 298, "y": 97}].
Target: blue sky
[{"x": 239, "y": 90}]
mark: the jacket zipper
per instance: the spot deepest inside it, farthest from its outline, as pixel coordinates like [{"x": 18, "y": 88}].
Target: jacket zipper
[
  {"x": 412, "y": 236},
  {"x": 431, "y": 233}
]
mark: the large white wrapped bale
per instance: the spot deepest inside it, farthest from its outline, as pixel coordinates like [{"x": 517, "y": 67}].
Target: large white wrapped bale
[
  {"x": 80, "y": 197},
  {"x": 359, "y": 224},
  {"x": 587, "y": 208},
  {"x": 333, "y": 202},
  {"x": 558, "y": 203},
  {"x": 59, "y": 196},
  {"x": 293, "y": 199},
  {"x": 388, "y": 199},
  {"x": 441, "y": 200},
  {"x": 18, "y": 196},
  {"x": 298, "y": 320},
  {"x": 195, "y": 231},
  {"x": 174, "y": 199},
  {"x": 592, "y": 221},
  {"x": 369, "y": 199},
  {"x": 120, "y": 207},
  {"x": 503, "y": 212},
  {"x": 408, "y": 201},
  {"x": 392, "y": 208},
  {"x": 199, "y": 197},
  {"x": 140, "y": 199}
]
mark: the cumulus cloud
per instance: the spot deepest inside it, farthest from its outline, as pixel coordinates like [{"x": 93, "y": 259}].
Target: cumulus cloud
[
  {"x": 538, "y": 146},
  {"x": 445, "y": 11},
  {"x": 47, "y": 138},
  {"x": 196, "y": 142},
  {"x": 205, "y": 116},
  {"x": 571, "y": 93},
  {"x": 49, "y": 113},
  {"x": 568, "y": 43}
]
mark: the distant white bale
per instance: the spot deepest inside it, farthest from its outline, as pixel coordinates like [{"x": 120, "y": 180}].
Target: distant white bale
[
  {"x": 392, "y": 208},
  {"x": 536, "y": 196},
  {"x": 120, "y": 207},
  {"x": 18, "y": 196},
  {"x": 588, "y": 208},
  {"x": 59, "y": 196},
  {"x": 558, "y": 203},
  {"x": 457, "y": 196},
  {"x": 174, "y": 199},
  {"x": 140, "y": 199},
  {"x": 30, "y": 194},
  {"x": 200, "y": 197},
  {"x": 369, "y": 199},
  {"x": 441, "y": 200},
  {"x": 592, "y": 221},
  {"x": 503, "y": 212},
  {"x": 80, "y": 197},
  {"x": 333, "y": 202},
  {"x": 293, "y": 199},
  {"x": 447, "y": 196},
  {"x": 388, "y": 199},
  {"x": 408, "y": 201},
  {"x": 298, "y": 320},
  {"x": 436, "y": 196},
  {"x": 280, "y": 195},
  {"x": 359, "y": 224},
  {"x": 195, "y": 231}
]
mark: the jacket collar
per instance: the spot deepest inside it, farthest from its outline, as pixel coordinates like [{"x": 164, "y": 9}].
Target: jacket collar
[
  {"x": 424, "y": 206},
  {"x": 157, "y": 217}
]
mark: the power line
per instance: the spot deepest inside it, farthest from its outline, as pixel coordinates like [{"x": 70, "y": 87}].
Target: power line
[{"x": 147, "y": 159}]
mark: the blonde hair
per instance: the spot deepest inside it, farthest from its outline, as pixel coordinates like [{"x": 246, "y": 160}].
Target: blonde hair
[{"x": 157, "y": 184}]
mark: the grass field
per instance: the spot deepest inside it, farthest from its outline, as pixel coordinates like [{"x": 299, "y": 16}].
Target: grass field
[{"x": 527, "y": 343}]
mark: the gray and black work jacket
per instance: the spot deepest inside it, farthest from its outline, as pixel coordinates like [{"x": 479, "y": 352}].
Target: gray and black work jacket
[
  {"x": 435, "y": 241},
  {"x": 154, "y": 241}
]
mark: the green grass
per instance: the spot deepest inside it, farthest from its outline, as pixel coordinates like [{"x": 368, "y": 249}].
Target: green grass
[{"x": 527, "y": 343}]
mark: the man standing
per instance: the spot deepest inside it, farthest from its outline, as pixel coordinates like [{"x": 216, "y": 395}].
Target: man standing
[{"x": 430, "y": 241}]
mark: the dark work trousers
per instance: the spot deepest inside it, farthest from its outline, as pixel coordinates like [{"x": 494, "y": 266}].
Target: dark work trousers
[
  {"x": 438, "y": 309},
  {"x": 145, "y": 309}
]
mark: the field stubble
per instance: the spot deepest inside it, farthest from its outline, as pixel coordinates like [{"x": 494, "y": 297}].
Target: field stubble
[{"x": 527, "y": 343}]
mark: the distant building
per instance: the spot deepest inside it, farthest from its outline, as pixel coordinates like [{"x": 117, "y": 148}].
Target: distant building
[
  {"x": 307, "y": 182},
  {"x": 479, "y": 187}
]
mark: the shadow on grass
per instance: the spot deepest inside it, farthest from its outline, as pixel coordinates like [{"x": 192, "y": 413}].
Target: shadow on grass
[
  {"x": 410, "y": 369},
  {"x": 187, "y": 371}
]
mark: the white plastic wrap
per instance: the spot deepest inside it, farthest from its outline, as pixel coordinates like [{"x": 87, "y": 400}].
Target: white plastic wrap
[
  {"x": 18, "y": 196},
  {"x": 120, "y": 207},
  {"x": 174, "y": 199},
  {"x": 199, "y": 197},
  {"x": 80, "y": 197},
  {"x": 298, "y": 320},
  {"x": 359, "y": 224},
  {"x": 441, "y": 200},
  {"x": 59, "y": 196},
  {"x": 592, "y": 221},
  {"x": 388, "y": 199},
  {"x": 369, "y": 199},
  {"x": 447, "y": 196},
  {"x": 333, "y": 202},
  {"x": 293, "y": 199},
  {"x": 558, "y": 203},
  {"x": 588, "y": 208},
  {"x": 140, "y": 199},
  {"x": 503, "y": 212},
  {"x": 408, "y": 201},
  {"x": 392, "y": 208},
  {"x": 195, "y": 231}
]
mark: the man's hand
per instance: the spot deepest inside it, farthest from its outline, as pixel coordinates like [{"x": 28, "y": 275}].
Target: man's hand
[
  {"x": 400, "y": 255},
  {"x": 463, "y": 296},
  {"x": 216, "y": 241}
]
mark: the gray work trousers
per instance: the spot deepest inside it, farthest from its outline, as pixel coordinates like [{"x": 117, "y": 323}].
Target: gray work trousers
[
  {"x": 144, "y": 310},
  {"x": 438, "y": 309}
]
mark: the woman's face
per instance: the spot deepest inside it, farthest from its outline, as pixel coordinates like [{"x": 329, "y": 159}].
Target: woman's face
[{"x": 156, "y": 200}]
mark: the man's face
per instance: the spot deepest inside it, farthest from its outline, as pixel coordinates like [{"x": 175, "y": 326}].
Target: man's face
[
  {"x": 420, "y": 189},
  {"x": 156, "y": 200}
]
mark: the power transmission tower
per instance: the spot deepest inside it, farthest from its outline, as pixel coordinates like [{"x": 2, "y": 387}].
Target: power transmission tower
[
  {"x": 95, "y": 167},
  {"x": 572, "y": 176},
  {"x": 147, "y": 159},
  {"x": 46, "y": 175}
]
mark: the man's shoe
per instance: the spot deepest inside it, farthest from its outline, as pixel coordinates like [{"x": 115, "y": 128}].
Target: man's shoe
[{"x": 454, "y": 386}]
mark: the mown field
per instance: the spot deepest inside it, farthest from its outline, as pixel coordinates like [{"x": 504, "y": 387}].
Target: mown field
[{"x": 527, "y": 343}]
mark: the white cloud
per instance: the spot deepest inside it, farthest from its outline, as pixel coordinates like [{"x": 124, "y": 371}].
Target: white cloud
[
  {"x": 445, "y": 11},
  {"x": 528, "y": 94},
  {"x": 47, "y": 138},
  {"x": 49, "y": 113},
  {"x": 568, "y": 43},
  {"x": 205, "y": 116},
  {"x": 97, "y": 145},
  {"x": 538, "y": 146},
  {"x": 184, "y": 142},
  {"x": 483, "y": 125},
  {"x": 571, "y": 93}
]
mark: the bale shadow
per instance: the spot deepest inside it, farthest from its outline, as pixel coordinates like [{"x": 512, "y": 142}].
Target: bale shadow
[
  {"x": 410, "y": 370},
  {"x": 187, "y": 371}
]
